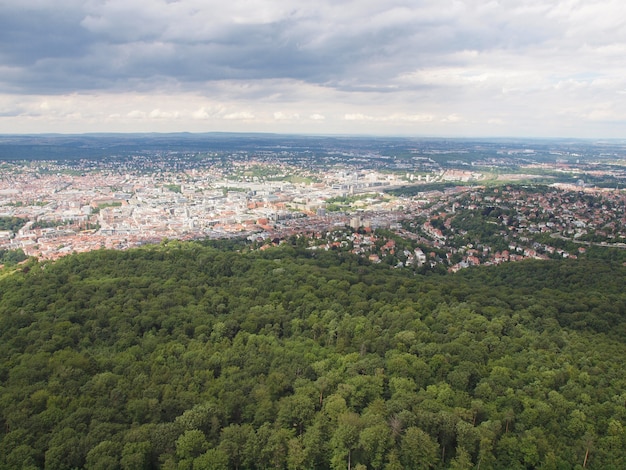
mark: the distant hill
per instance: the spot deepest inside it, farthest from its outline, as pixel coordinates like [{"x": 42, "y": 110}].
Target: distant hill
[
  {"x": 68, "y": 147},
  {"x": 98, "y": 146},
  {"x": 183, "y": 355}
]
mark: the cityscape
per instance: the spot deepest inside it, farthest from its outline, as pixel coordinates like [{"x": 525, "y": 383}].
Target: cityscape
[{"x": 527, "y": 199}]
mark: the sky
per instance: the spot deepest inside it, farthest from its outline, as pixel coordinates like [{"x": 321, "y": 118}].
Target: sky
[{"x": 466, "y": 68}]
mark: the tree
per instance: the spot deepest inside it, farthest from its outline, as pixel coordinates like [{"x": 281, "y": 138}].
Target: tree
[
  {"x": 462, "y": 460},
  {"x": 509, "y": 454},
  {"x": 393, "y": 461},
  {"x": 136, "y": 456},
  {"x": 316, "y": 443},
  {"x": 191, "y": 444},
  {"x": 345, "y": 440},
  {"x": 376, "y": 441},
  {"x": 233, "y": 442},
  {"x": 296, "y": 455},
  {"x": 23, "y": 456},
  {"x": 104, "y": 456},
  {"x": 212, "y": 459},
  {"x": 296, "y": 411},
  {"x": 418, "y": 450},
  {"x": 65, "y": 450},
  {"x": 205, "y": 417},
  {"x": 467, "y": 437}
]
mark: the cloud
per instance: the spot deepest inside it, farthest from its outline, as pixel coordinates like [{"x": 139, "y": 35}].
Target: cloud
[
  {"x": 202, "y": 113},
  {"x": 241, "y": 115},
  {"x": 452, "y": 118},
  {"x": 208, "y": 112},
  {"x": 90, "y": 45},
  {"x": 390, "y": 118},
  {"x": 280, "y": 116},
  {"x": 358, "y": 117},
  {"x": 136, "y": 114},
  {"x": 159, "y": 114},
  {"x": 410, "y": 64}
]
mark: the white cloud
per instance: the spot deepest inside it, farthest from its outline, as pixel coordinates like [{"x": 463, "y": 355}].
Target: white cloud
[
  {"x": 452, "y": 118},
  {"x": 202, "y": 113},
  {"x": 412, "y": 117},
  {"x": 159, "y": 114},
  {"x": 240, "y": 115},
  {"x": 358, "y": 117},
  {"x": 398, "y": 118},
  {"x": 136, "y": 114},
  {"x": 280, "y": 116}
]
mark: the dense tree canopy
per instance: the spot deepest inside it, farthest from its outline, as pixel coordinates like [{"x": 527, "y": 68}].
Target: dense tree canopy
[
  {"x": 12, "y": 224},
  {"x": 189, "y": 356}
]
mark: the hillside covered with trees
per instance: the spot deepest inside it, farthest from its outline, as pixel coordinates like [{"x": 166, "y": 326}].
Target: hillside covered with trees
[{"x": 186, "y": 356}]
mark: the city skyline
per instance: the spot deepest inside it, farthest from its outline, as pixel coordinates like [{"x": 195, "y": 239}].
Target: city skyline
[{"x": 462, "y": 68}]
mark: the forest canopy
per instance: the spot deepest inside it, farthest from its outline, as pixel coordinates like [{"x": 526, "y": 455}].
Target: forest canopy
[{"x": 191, "y": 356}]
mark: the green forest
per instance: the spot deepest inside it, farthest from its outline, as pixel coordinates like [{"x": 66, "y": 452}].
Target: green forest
[{"x": 190, "y": 356}]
